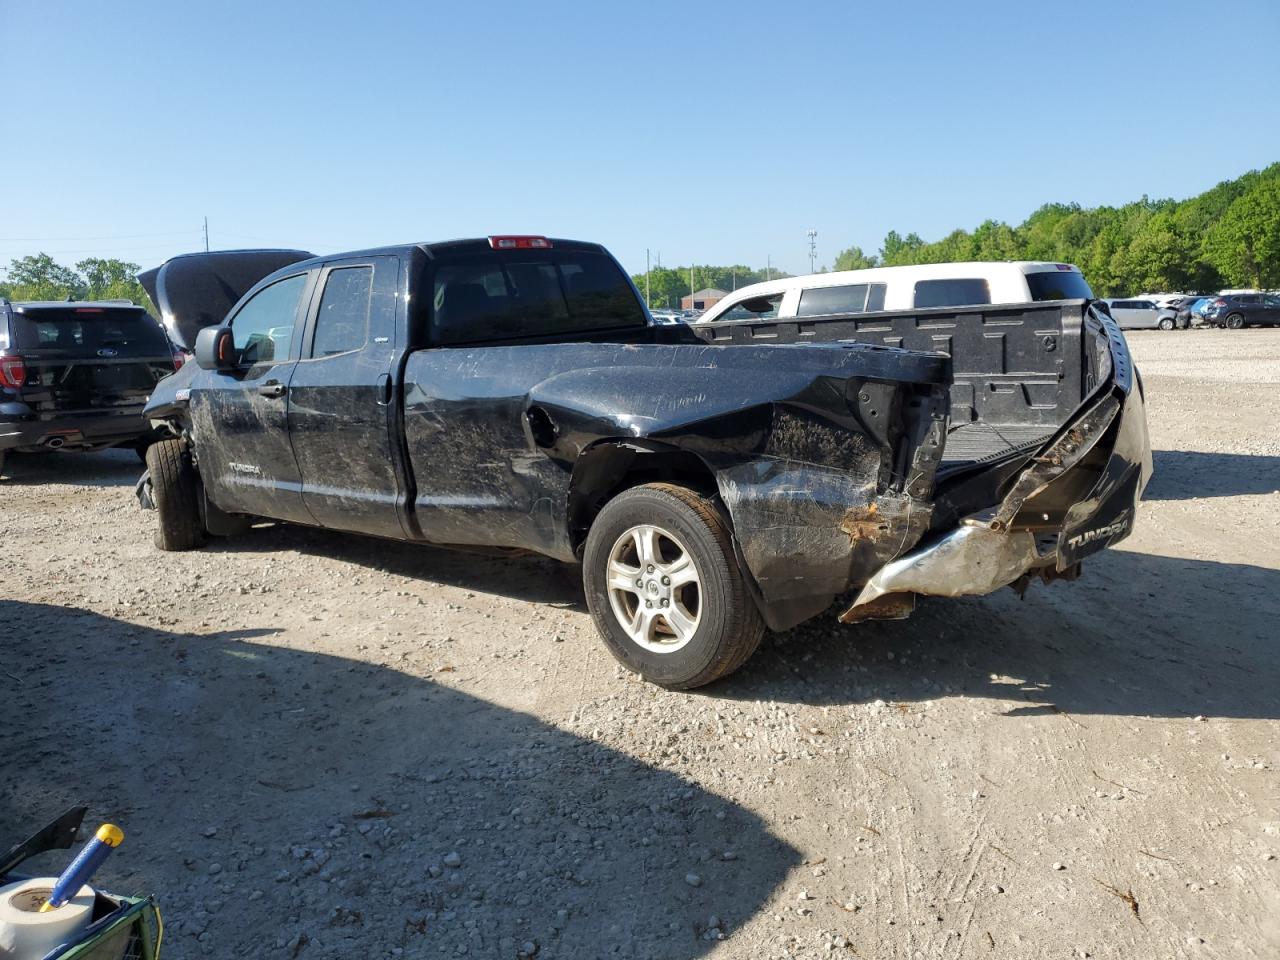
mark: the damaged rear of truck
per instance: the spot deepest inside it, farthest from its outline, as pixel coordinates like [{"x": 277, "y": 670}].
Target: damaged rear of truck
[
  {"x": 1045, "y": 456},
  {"x": 511, "y": 393}
]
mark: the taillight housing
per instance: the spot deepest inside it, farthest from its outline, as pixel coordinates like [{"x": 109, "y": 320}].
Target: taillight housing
[
  {"x": 179, "y": 358},
  {"x": 13, "y": 371}
]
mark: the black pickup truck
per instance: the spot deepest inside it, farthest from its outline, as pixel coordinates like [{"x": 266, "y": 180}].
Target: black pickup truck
[{"x": 512, "y": 393}]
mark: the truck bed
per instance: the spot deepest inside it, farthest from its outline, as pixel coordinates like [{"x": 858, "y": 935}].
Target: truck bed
[{"x": 1020, "y": 369}]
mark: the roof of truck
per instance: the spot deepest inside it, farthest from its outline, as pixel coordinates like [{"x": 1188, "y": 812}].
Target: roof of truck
[
  {"x": 966, "y": 268},
  {"x": 436, "y": 247}
]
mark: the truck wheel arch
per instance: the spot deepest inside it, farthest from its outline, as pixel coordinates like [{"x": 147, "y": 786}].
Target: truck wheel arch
[{"x": 608, "y": 467}]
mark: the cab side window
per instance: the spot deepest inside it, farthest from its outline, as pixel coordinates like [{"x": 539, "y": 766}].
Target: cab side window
[
  {"x": 960, "y": 292},
  {"x": 855, "y": 298},
  {"x": 757, "y": 308},
  {"x": 343, "y": 321},
  {"x": 263, "y": 328}
]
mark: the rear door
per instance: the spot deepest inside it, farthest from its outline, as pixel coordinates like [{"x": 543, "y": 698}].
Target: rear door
[
  {"x": 239, "y": 416},
  {"x": 1251, "y": 307},
  {"x": 341, "y": 412},
  {"x": 93, "y": 363},
  {"x": 481, "y": 471}
]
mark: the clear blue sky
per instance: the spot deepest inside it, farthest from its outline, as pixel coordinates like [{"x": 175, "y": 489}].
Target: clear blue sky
[{"x": 713, "y": 133}]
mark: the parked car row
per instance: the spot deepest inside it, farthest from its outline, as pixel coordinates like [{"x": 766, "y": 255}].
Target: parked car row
[
  {"x": 1232, "y": 310},
  {"x": 1145, "y": 315}
]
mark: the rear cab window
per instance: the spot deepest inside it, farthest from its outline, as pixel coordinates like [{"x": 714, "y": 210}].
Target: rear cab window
[
  {"x": 1058, "y": 285},
  {"x": 90, "y": 331},
  {"x": 959, "y": 292},
  {"x": 484, "y": 295}
]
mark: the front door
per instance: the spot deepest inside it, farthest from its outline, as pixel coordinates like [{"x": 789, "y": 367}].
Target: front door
[
  {"x": 239, "y": 416},
  {"x": 342, "y": 409}
]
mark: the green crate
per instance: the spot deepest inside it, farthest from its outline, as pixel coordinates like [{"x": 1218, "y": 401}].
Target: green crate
[{"x": 129, "y": 928}]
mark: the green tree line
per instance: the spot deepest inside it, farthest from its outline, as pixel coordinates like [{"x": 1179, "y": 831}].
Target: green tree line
[
  {"x": 1228, "y": 236},
  {"x": 40, "y": 277}
]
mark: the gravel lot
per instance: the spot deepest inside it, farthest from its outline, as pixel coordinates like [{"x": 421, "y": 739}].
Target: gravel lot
[{"x": 327, "y": 746}]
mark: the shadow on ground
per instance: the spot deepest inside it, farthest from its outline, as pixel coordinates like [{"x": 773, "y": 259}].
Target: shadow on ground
[
  {"x": 269, "y": 793},
  {"x": 528, "y": 577},
  {"x": 1189, "y": 475},
  {"x": 104, "y": 468}
]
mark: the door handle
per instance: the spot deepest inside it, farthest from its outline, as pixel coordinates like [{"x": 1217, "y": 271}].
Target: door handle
[
  {"x": 272, "y": 388},
  {"x": 384, "y": 390}
]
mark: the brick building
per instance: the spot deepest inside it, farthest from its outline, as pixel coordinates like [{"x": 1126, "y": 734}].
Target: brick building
[{"x": 704, "y": 299}]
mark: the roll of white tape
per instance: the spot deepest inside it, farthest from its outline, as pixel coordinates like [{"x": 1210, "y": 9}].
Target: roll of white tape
[{"x": 28, "y": 934}]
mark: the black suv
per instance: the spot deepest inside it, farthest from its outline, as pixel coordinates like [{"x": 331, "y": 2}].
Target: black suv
[
  {"x": 1236, "y": 310},
  {"x": 76, "y": 375}
]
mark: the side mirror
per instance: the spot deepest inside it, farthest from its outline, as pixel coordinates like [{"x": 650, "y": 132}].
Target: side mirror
[{"x": 215, "y": 349}]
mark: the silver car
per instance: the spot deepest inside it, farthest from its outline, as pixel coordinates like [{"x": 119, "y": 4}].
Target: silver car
[{"x": 1142, "y": 315}]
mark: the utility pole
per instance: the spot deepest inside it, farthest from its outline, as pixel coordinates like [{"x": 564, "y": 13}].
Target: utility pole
[
  {"x": 813, "y": 248},
  {"x": 206, "y": 234},
  {"x": 648, "y": 295},
  {"x": 768, "y": 267},
  {"x": 735, "y": 278},
  {"x": 691, "y": 290}
]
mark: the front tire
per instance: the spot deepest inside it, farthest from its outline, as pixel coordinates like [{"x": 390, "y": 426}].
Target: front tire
[
  {"x": 1166, "y": 324},
  {"x": 665, "y": 590},
  {"x": 175, "y": 488},
  {"x": 1235, "y": 322}
]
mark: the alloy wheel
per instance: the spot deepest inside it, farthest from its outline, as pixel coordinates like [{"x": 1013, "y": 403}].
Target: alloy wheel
[{"x": 654, "y": 588}]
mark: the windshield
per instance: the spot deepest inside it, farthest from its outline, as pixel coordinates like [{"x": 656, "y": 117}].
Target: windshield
[
  {"x": 506, "y": 294},
  {"x": 88, "y": 331},
  {"x": 1058, "y": 285}
]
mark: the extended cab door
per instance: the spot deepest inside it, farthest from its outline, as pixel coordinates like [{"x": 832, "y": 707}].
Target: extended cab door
[
  {"x": 342, "y": 414},
  {"x": 239, "y": 416}
]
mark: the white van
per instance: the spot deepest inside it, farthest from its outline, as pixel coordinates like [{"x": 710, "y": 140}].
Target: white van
[{"x": 903, "y": 288}]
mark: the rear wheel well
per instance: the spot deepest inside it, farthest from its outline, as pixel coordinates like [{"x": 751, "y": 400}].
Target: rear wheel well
[{"x": 607, "y": 469}]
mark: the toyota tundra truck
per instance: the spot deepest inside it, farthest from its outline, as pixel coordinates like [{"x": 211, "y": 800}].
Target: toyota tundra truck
[{"x": 713, "y": 481}]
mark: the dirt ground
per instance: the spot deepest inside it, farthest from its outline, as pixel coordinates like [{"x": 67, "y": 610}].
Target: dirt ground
[{"x": 326, "y": 746}]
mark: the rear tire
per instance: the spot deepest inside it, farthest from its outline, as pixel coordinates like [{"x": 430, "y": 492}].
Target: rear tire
[
  {"x": 175, "y": 487},
  {"x": 703, "y": 624},
  {"x": 2, "y": 458},
  {"x": 1235, "y": 322}
]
